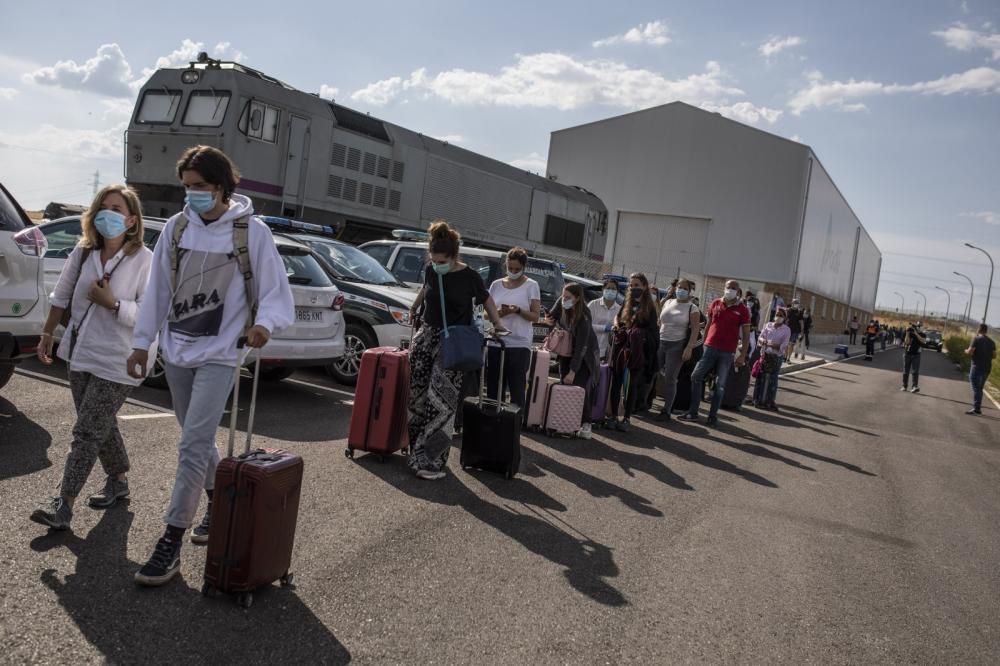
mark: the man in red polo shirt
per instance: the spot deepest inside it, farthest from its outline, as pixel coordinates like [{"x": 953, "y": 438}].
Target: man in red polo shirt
[{"x": 728, "y": 323}]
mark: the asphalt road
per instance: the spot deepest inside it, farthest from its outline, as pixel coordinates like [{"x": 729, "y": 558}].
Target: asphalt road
[{"x": 859, "y": 525}]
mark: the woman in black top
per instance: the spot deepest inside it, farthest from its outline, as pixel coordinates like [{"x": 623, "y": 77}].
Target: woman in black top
[
  {"x": 434, "y": 391},
  {"x": 582, "y": 368}
]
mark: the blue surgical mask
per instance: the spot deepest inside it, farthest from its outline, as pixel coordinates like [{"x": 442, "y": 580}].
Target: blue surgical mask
[
  {"x": 567, "y": 303},
  {"x": 515, "y": 275},
  {"x": 610, "y": 294},
  {"x": 109, "y": 223},
  {"x": 442, "y": 269},
  {"x": 682, "y": 294},
  {"x": 200, "y": 202}
]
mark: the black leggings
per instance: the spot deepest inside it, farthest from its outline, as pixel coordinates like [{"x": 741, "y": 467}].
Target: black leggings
[{"x": 515, "y": 373}]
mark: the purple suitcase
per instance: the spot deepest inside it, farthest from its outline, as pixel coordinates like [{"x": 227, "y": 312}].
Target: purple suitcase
[
  {"x": 564, "y": 412},
  {"x": 599, "y": 403}
]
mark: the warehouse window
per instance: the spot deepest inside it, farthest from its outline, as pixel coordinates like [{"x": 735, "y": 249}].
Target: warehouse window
[
  {"x": 334, "y": 186},
  {"x": 339, "y": 156},
  {"x": 394, "y": 199},
  {"x": 383, "y": 167},
  {"x": 366, "y": 194},
  {"x": 560, "y": 232},
  {"x": 369, "y": 165},
  {"x": 824, "y": 309},
  {"x": 353, "y": 159}
]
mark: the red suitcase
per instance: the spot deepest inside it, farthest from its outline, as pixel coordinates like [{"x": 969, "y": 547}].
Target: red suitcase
[
  {"x": 255, "y": 507},
  {"x": 381, "y": 403}
]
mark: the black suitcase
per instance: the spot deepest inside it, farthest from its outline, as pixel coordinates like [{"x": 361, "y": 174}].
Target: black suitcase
[
  {"x": 738, "y": 384},
  {"x": 682, "y": 399},
  {"x": 491, "y": 435}
]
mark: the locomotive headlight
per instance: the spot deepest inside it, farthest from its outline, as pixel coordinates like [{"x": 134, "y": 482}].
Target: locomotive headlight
[{"x": 190, "y": 76}]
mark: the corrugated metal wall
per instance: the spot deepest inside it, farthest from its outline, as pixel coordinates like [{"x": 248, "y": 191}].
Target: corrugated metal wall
[{"x": 474, "y": 200}]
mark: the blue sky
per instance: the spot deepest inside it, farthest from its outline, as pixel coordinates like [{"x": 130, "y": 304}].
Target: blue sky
[{"x": 902, "y": 107}]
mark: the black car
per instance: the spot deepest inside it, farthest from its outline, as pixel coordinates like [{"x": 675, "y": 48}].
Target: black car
[
  {"x": 376, "y": 304},
  {"x": 933, "y": 340}
]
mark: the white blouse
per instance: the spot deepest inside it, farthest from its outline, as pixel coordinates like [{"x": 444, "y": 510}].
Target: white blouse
[{"x": 104, "y": 339}]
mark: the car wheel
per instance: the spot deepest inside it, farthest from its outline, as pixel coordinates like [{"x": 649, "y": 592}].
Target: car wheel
[
  {"x": 157, "y": 377},
  {"x": 6, "y": 372},
  {"x": 357, "y": 338}
]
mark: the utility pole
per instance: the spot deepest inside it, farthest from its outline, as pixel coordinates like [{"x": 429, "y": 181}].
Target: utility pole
[{"x": 97, "y": 181}]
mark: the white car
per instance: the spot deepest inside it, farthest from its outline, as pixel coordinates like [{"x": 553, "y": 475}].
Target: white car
[
  {"x": 316, "y": 338},
  {"x": 22, "y": 291}
]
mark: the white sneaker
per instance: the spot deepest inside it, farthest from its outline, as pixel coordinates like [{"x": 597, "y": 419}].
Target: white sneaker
[
  {"x": 585, "y": 431},
  {"x": 429, "y": 475}
]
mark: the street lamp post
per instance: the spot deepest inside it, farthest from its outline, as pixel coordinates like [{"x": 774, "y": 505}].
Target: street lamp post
[
  {"x": 968, "y": 310},
  {"x": 925, "y": 302},
  {"x": 989, "y": 287},
  {"x": 947, "y": 311},
  {"x": 902, "y": 303}
]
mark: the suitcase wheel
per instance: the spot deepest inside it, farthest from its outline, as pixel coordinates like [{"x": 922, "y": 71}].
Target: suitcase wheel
[
  {"x": 206, "y": 589},
  {"x": 508, "y": 475},
  {"x": 381, "y": 458},
  {"x": 287, "y": 580},
  {"x": 245, "y": 600},
  {"x": 349, "y": 452}
]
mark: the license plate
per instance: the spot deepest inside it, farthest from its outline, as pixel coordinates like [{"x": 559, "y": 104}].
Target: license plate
[{"x": 304, "y": 315}]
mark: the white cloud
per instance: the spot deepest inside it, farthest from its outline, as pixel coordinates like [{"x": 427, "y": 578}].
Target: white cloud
[
  {"x": 989, "y": 217},
  {"x": 451, "y": 138},
  {"x": 653, "y": 33},
  {"x": 776, "y": 45},
  {"x": 8, "y": 94},
  {"x": 845, "y": 95},
  {"x": 796, "y": 138},
  {"x": 107, "y": 73},
  {"x": 75, "y": 144},
  {"x": 963, "y": 38},
  {"x": 532, "y": 162},
  {"x": 745, "y": 112},
  {"x": 382, "y": 92},
  {"x": 328, "y": 92}
]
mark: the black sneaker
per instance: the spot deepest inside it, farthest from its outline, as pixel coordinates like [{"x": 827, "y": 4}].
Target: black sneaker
[
  {"x": 973, "y": 411},
  {"x": 114, "y": 490},
  {"x": 692, "y": 418},
  {"x": 200, "y": 533},
  {"x": 55, "y": 514},
  {"x": 164, "y": 563},
  {"x": 712, "y": 420}
]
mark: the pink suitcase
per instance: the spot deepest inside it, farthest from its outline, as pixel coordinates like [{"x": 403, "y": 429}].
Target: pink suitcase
[
  {"x": 538, "y": 389},
  {"x": 564, "y": 412}
]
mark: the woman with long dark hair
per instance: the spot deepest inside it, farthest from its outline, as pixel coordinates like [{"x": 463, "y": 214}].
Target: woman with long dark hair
[
  {"x": 581, "y": 368},
  {"x": 633, "y": 354}
]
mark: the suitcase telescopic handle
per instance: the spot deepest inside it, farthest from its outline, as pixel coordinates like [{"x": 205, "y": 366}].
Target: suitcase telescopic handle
[
  {"x": 235, "y": 407},
  {"x": 482, "y": 375}
]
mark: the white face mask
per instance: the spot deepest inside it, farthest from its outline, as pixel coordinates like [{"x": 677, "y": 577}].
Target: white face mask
[
  {"x": 730, "y": 294},
  {"x": 779, "y": 320}
]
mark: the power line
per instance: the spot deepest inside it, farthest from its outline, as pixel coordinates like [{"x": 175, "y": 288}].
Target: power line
[{"x": 945, "y": 260}]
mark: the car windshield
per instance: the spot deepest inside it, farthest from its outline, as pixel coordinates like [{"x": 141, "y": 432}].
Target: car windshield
[
  {"x": 350, "y": 263},
  {"x": 549, "y": 279},
  {"x": 303, "y": 269}
]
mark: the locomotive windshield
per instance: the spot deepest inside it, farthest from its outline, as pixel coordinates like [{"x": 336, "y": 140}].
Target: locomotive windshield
[
  {"x": 158, "y": 107},
  {"x": 206, "y": 108}
]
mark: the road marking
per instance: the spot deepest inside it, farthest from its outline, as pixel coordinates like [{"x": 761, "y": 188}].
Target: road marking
[
  {"x": 320, "y": 387},
  {"x": 65, "y": 382},
  {"x": 134, "y": 417}
]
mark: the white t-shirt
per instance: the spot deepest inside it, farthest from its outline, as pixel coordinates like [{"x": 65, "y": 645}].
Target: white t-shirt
[
  {"x": 675, "y": 317},
  {"x": 521, "y": 330},
  {"x": 600, "y": 316}
]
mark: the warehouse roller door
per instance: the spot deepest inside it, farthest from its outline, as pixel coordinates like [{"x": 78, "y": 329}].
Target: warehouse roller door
[{"x": 660, "y": 244}]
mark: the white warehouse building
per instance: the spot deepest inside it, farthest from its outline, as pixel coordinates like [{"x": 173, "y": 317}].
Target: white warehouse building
[{"x": 695, "y": 194}]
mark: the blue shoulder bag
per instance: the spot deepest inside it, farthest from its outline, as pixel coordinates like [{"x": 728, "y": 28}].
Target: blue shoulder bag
[{"x": 462, "y": 347}]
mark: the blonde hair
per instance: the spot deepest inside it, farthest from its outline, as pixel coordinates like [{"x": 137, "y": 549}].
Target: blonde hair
[{"x": 133, "y": 237}]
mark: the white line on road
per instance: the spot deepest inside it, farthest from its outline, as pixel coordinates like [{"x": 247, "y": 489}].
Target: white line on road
[
  {"x": 134, "y": 417},
  {"x": 320, "y": 387}
]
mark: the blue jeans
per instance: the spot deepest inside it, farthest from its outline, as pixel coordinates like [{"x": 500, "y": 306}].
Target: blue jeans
[
  {"x": 977, "y": 377},
  {"x": 721, "y": 362}
]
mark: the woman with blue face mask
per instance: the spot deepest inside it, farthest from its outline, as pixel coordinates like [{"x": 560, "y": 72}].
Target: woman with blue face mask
[
  {"x": 101, "y": 286},
  {"x": 583, "y": 366},
  {"x": 680, "y": 322},
  {"x": 435, "y": 390},
  {"x": 518, "y": 300}
]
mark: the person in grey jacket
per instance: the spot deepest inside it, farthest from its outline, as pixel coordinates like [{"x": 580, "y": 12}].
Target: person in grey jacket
[{"x": 583, "y": 367}]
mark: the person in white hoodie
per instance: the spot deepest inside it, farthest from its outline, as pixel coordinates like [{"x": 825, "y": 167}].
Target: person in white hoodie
[{"x": 197, "y": 302}]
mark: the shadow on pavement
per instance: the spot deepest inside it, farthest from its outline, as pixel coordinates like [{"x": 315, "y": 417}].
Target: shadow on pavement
[
  {"x": 24, "y": 445},
  {"x": 586, "y": 562},
  {"x": 175, "y": 623},
  {"x": 692, "y": 453}
]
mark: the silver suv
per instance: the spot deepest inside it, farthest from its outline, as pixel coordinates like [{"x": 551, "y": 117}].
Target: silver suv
[{"x": 23, "y": 302}]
